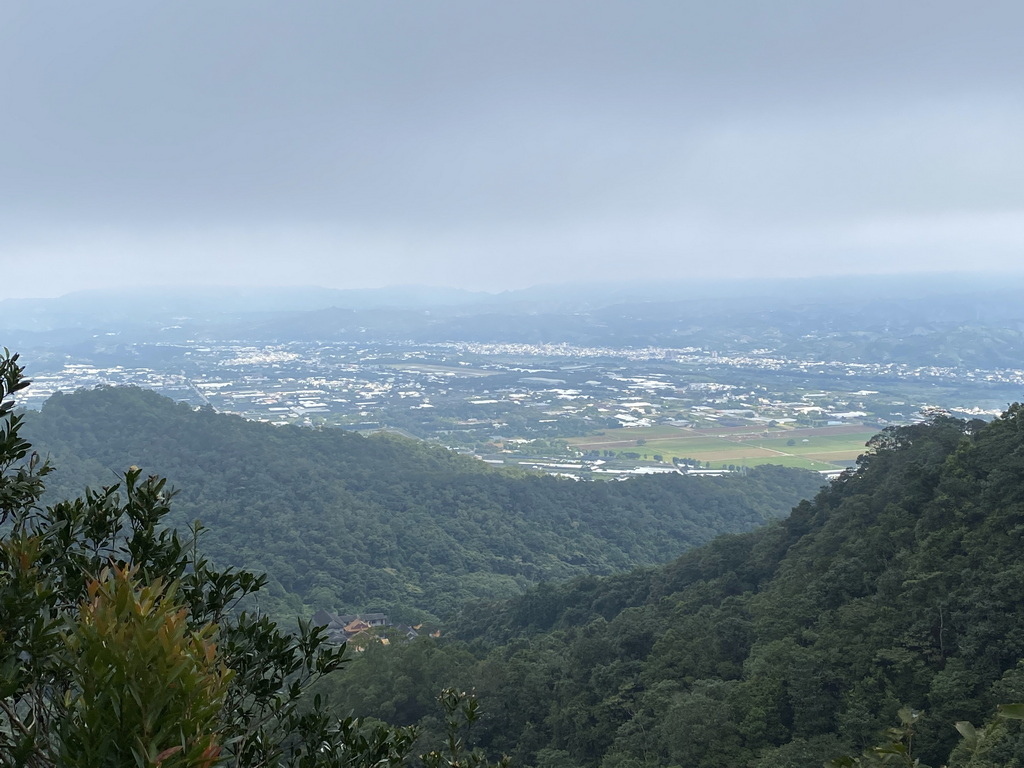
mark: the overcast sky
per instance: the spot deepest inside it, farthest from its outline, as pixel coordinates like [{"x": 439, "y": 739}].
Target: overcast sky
[{"x": 496, "y": 145}]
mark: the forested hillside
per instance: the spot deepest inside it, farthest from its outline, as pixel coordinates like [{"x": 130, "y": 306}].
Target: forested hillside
[
  {"x": 345, "y": 522},
  {"x": 902, "y": 584}
]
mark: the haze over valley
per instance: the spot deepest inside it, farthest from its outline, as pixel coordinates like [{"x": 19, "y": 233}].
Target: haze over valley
[
  {"x": 600, "y": 380},
  {"x": 545, "y": 384}
]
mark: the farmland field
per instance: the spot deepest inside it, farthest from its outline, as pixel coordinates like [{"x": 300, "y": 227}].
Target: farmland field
[
  {"x": 455, "y": 370},
  {"x": 811, "y": 448}
]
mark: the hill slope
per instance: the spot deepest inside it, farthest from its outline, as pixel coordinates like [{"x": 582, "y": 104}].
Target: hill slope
[
  {"x": 342, "y": 521},
  {"x": 900, "y": 584}
]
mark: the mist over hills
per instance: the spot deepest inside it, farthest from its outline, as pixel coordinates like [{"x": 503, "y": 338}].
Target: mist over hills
[
  {"x": 780, "y": 646},
  {"x": 954, "y": 320}
]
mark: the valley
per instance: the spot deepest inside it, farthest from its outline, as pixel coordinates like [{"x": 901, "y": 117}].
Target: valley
[{"x": 534, "y": 405}]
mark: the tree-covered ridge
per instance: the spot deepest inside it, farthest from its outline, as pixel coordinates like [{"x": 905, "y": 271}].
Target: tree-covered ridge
[
  {"x": 901, "y": 584},
  {"x": 342, "y": 521},
  {"x": 119, "y": 645}
]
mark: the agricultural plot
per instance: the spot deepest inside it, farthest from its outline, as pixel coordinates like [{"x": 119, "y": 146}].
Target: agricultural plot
[
  {"x": 453, "y": 370},
  {"x": 820, "y": 448}
]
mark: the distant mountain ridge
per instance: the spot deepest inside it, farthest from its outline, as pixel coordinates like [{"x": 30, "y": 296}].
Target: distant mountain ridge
[{"x": 966, "y": 320}]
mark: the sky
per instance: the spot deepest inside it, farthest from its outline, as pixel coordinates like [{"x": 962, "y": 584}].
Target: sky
[{"x": 498, "y": 145}]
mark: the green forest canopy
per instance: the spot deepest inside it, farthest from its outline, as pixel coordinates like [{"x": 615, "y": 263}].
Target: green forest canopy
[
  {"x": 899, "y": 585},
  {"x": 119, "y": 645},
  {"x": 344, "y": 522}
]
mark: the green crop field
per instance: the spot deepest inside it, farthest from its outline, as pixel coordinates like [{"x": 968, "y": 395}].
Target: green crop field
[
  {"x": 799, "y": 462},
  {"x": 813, "y": 448}
]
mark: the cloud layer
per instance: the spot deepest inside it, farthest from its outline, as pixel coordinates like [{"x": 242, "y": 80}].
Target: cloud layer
[{"x": 500, "y": 145}]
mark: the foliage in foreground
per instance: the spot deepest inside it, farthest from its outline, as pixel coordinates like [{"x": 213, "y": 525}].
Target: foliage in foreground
[
  {"x": 988, "y": 747},
  {"x": 119, "y": 647}
]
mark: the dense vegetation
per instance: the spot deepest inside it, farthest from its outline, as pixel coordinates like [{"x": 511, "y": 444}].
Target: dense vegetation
[
  {"x": 120, "y": 645},
  {"x": 900, "y": 585},
  {"x": 894, "y": 594},
  {"x": 345, "y": 522}
]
